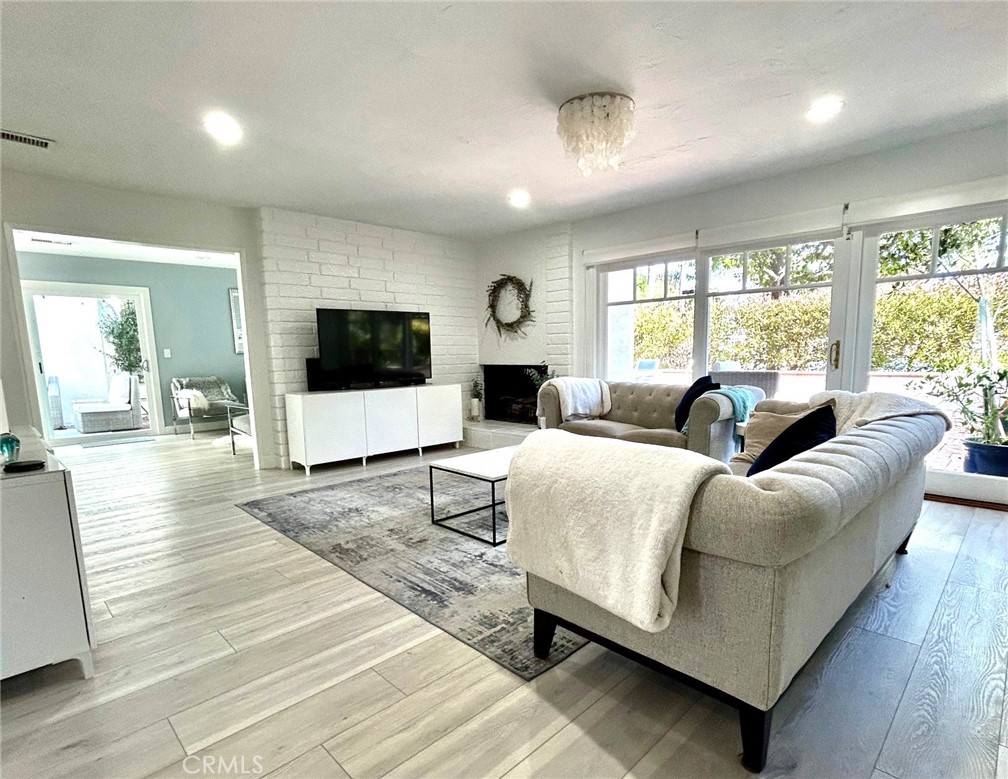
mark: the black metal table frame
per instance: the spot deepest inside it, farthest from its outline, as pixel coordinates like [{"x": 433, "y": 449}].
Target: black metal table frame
[{"x": 494, "y": 503}]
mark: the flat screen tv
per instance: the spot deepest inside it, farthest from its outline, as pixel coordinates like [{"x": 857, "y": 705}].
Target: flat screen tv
[{"x": 372, "y": 348}]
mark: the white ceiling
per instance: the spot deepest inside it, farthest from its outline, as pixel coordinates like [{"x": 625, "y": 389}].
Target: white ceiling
[
  {"x": 77, "y": 246},
  {"x": 425, "y": 115}
]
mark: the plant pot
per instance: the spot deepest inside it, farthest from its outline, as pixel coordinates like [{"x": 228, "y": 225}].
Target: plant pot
[
  {"x": 474, "y": 408},
  {"x": 989, "y": 459}
]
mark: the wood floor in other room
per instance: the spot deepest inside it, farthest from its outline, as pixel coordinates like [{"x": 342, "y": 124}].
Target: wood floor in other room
[{"x": 227, "y": 649}]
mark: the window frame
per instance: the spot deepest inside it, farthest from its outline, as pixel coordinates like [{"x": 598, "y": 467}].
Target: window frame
[{"x": 701, "y": 257}]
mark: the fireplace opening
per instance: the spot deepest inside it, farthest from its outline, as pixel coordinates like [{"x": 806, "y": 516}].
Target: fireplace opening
[{"x": 509, "y": 393}]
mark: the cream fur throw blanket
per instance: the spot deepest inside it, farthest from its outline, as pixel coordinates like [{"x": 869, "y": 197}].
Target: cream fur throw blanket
[
  {"x": 605, "y": 519},
  {"x": 197, "y": 400},
  {"x": 855, "y": 409},
  {"x": 579, "y": 398}
]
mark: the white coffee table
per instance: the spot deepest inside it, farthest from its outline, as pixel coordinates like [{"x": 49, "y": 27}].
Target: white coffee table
[{"x": 489, "y": 466}]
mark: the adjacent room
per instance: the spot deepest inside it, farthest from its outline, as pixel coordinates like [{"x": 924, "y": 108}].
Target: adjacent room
[
  {"x": 106, "y": 313},
  {"x": 602, "y": 390}
]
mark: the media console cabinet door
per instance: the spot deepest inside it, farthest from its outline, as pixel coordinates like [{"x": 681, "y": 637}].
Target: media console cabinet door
[
  {"x": 391, "y": 419},
  {"x": 334, "y": 428},
  {"x": 42, "y": 606},
  {"x": 439, "y": 413}
]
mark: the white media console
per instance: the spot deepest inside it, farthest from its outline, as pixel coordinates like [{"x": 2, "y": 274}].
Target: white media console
[{"x": 324, "y": 427}]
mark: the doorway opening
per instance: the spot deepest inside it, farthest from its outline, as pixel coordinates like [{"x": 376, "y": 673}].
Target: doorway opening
[{"x": 116, "y": 328}]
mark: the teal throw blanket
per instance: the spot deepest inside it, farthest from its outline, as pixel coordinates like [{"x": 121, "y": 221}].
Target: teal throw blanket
[{"x": 743, "y": 402}]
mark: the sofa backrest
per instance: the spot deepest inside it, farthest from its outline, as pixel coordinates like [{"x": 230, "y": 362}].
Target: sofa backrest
[
  {"x": 780, "y": 514},
  {"x": 647, "y": 405},
  {"x": 214, "y": 388}
]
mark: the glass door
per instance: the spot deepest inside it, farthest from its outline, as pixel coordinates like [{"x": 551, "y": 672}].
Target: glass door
[
  {"x": 936, "y": 289},
  {"x": 91, "y": 348}
]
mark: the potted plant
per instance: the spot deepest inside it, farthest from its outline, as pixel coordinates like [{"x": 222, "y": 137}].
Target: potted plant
[
  {"x": 979, "y": 394},
  {"x": 475, "y": 396},
  {"x": 121, "y": 332}
]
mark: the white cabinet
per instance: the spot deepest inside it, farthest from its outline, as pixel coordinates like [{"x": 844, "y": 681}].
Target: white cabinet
[
  {"x": 44, "y": 603},
  {"x": 439, "y": 413},
  {"x": 391, "y": 419},
  {"x": 326, "y": 427}
]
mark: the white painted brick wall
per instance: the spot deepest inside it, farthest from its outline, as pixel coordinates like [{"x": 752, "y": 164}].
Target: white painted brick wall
[
  {"x": 560, "y": 300},
  {"x": 314, "y": 262}
]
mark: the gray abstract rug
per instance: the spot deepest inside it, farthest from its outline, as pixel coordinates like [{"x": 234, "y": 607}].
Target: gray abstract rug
[{"x": 378, "y": 530}]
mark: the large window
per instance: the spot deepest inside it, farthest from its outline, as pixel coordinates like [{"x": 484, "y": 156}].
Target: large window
[
  {"x": 941, "y": 304},
  {"x": 650, "y": 321},
  {"x": 767, "y": 314}
]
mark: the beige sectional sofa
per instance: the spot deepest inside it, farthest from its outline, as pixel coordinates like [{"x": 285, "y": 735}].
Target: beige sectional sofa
[
  {"x": 645, "y": 414},
  {"x": 770, "y": 563}
]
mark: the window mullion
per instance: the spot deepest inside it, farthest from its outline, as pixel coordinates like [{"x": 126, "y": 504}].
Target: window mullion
[
  {"x": 935, "y": 232},
  {"x": 1002, "y": 260}
]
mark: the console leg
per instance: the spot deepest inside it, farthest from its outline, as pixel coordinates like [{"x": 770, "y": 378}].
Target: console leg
[
  {"x": 87, "y": 664},
  {"x": 755, "y": 726},
  {"x": 903, "y": 547},
  {"x": 544, "y": 626}
]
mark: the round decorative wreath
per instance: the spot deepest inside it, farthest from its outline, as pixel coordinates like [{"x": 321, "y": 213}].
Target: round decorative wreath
[{"x": 523, "y": 294}]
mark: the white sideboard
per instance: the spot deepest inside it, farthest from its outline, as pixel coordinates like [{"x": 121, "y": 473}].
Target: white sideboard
[
  {"x": 44, "y": 604},
  {"x": 324, "y": 427}
]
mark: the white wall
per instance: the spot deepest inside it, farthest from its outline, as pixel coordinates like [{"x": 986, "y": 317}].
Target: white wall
[
  {"x": 77, "y": 208},
  {"x": 949, "y": 159},
  {"x": 938, "y": 162},
  {"x": 311, "y": 262},
  {"x": 542, "y": 257}
]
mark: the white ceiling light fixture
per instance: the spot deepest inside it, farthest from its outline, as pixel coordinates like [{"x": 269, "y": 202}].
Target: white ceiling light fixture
[
  {"x": 824, "y": 108},
  {"x": 519, "y": 198},
  {"x": 223, "y": 128},
  {"x": 596, "y": 128}
]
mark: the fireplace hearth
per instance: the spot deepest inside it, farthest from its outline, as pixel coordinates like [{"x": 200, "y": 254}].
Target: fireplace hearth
[{"x": 509, "y": 394}]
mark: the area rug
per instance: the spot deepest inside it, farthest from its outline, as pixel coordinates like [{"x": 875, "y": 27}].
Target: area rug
[{"x": 379, "y": 530}]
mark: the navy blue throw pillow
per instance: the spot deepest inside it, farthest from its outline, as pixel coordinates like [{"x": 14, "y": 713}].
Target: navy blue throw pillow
[
  {"x": 698, "y": 388},
  {"x": 809, "y": 431}
]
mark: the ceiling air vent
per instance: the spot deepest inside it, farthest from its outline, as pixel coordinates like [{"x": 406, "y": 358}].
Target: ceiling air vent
[{"x": 27, "y": 140}]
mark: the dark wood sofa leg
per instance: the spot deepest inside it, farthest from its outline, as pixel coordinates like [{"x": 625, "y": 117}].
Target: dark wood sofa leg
[
  {"x": 903, "y": 547},
  {"x": 755, "y": 726},
  {"x": 544, "y": 626}
]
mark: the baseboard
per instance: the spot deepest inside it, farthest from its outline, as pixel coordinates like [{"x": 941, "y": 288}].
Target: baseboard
[{"x": 979, "y": 504}]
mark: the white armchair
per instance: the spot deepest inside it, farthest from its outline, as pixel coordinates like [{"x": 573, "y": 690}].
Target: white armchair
[{"x": 119, "y": 411}]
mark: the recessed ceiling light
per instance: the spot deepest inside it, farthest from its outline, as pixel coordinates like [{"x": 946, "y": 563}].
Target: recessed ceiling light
[
  {"x": 519, "y": 198},
  {"x": 222, "y": 128},
  {"x": 824, "y": 109}
]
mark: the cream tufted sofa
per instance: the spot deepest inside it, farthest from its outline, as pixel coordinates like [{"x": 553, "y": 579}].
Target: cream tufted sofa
[
  {"x": 769, "y": 565},
  {"x": 645, "y": 414}
]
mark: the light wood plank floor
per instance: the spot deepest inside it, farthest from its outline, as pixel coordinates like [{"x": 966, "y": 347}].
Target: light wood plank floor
[{"x": 227, "y": 649}]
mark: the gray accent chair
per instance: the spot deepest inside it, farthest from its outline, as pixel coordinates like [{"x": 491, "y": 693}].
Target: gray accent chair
[
  {"x": 238, "y": 424},
  {"x": 645, "y": 413},
  {"x": 119, "y": 411},
  {"x": 216, "y": 402}
]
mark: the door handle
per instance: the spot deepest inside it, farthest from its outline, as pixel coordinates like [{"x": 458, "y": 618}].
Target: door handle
[
  {"x": 145, "y": 366},
  {"x": 834, "y": 355}
]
